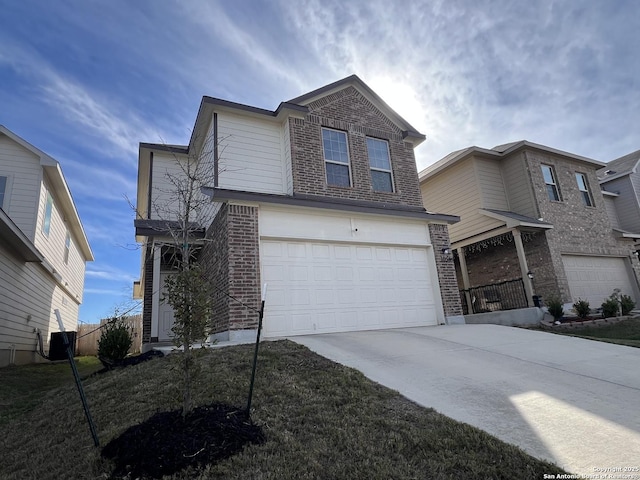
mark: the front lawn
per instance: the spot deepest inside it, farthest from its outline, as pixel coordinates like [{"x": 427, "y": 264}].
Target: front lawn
[
  {"x": 320, "y": 419},
  {"x": 624, "y": 332}
]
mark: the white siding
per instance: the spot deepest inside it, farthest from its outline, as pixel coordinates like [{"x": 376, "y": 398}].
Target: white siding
[
  {"x": 24, "y": 172},
  {"x": 518, "y": 186},
  {"x": 28, "y": 298},
  {"x": 288, "y": 166},
  {"x": 626, "y": 204},
  {"x": 165, "y": 171},
  {"x": 456, "y": 191},
  {"x": 251, "y": 155},
  {"x": 52, "y": 247},
  {"x": 491, "y": 184}
]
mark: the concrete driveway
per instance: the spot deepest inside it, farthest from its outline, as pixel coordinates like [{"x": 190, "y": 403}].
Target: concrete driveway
[{"x": 571, "y": 401}]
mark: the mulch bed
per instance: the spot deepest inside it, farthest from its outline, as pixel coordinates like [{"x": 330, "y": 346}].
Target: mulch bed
[
  {"x": 167, "y": 442},
  {"x": 110, "y": 364}
]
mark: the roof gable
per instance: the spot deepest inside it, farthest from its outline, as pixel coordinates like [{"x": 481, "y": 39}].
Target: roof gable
[
  {"x": 620, "y": 167},
  {"x": 340, "y": 88}
]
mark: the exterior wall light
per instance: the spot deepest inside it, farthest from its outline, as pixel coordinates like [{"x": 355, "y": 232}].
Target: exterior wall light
[{"x": 530, "y": 274}]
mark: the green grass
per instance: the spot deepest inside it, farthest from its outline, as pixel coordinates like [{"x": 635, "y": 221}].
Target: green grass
[
  {"x": 321, "y": 420},
  {"x": 23, "y": 387},
  {"x": 625, "y": 332}
]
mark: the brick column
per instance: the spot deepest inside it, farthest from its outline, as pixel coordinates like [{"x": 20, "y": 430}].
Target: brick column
[{"x": 446, "y": 274}]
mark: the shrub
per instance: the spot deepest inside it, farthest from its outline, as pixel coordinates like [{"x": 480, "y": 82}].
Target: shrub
[
  {"x": 554, "y": 305},
  {"x": 581, "y": 307},
  {"x": 610, "y": 307},
  {"x": 115, "y": 340},
  {"x": 627, "y": 304}
]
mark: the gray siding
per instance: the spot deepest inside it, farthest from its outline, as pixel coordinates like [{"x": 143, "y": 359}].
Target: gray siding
[
  {"x": 609, "y": 204},
  {"x": 627, "y": 203},
  {"x": 518, "y": 186}
]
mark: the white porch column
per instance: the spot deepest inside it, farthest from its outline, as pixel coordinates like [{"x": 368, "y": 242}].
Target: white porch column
[
  {"x": 524, "y": 268},
  {"x": 155, "y": 296},
  {"x": 465, "y": 276}
]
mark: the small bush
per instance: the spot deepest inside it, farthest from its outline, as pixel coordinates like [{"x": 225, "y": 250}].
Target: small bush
[
  {"x": 554, "y": 305},
  {"x": 115, "y": 340},
  {"x": 610, "y": 307},
  {"x": 627, "y": 304},
  {"x": 581, "y": 307}
]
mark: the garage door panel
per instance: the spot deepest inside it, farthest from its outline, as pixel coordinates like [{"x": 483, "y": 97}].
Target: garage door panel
[
  {"x": 594, "y": 278},
  {"x": 342, "y": 287}
]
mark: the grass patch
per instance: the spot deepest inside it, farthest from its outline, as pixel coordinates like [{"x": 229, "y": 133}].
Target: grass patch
[
  {"x": 625, "y": 332},
  {"x": 320, "y": 419},
  {"x": 23, "y": 387}
]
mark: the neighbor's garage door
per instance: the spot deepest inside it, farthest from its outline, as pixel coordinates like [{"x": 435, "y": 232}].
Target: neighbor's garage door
[
  {"x": 594, "y": 278},
  {"x": 316, "y": 287}
]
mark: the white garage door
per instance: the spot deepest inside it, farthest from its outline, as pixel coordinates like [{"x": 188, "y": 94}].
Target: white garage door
[
  {"x": 330, "y": 287},
  {"x": 594, "y": 278}
]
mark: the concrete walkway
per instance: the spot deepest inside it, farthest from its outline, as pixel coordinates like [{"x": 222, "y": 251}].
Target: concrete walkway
[{"x": 574, "y": 402}]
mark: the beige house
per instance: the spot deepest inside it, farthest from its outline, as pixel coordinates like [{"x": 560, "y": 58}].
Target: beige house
[
  {"x": 43, "y": 250},
  {"x": 530, "y": 214}
]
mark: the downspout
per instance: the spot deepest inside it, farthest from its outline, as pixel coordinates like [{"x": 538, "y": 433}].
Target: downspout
[
  {"x": 215, "y": 149},
  {"x": 12, "y": 355},
  {"x": 150, "y": 186}
]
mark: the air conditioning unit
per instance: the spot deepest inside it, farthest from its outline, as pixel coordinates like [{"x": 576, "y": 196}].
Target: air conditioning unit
[{"x": 57, "y": 348}]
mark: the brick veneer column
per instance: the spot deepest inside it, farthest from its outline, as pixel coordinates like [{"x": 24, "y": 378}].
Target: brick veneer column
[
  {"x": 244, "y": 266},
  {"x": 446, "y": 272},
  {"x": 147, "y": 295}
]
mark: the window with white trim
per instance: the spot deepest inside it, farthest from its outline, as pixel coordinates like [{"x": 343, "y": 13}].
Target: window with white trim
[
  {"x": 48, "y": 208},
  {"x": 67, "y": 248},
  {"x": 583, "y": 186},
  {"x": 380, "y": 163},
  {"x": 4, "y": 181},
  {"x": 550, "y": 182},
  {"x": 336, "y": 157}
]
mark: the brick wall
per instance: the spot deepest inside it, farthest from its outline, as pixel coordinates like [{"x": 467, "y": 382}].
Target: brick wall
[
  {"x": 244, "y": 266},
  {"x": 147, "y": 296},
  {"x": 215, "y": 259},
  {"x": 578, "y": 229},
  {"x": 349, "y": 111},
  {"x": 446, "y": 271}
]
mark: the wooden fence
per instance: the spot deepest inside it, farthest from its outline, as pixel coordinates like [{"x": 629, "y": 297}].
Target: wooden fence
[{"x": 89, "y": 334}]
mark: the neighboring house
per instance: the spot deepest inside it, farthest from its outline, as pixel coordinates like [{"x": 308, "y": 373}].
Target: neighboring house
[
  {"x": 43, "y": 250},
  {"x": 620, "y": 184},
  {"x": 320, "y": 200},
  {"x": 527, "y": 208}
]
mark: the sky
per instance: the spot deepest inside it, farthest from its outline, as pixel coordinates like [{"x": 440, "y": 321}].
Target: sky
[{"x": 87, "y": 80}]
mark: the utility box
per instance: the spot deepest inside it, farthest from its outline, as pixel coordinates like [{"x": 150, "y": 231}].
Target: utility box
[{"x": 57, "y": 348}]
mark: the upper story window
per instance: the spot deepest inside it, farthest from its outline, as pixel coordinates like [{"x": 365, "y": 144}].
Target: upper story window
[
  {"x": 48, "y": 208},
  {"x": 67, "y": 248},
  {"x": 3, "y": 191},
  {"x": 381, "y": 177},
  {"x": 583, "y": 186},
  {"x": 550, "y": 181},
  {"x": 336, "y": 157}
]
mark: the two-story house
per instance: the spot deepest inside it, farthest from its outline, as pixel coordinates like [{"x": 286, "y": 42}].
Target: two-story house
[
  {"x": 532, "y": 212},
  {"x": 620, "y": 184},
  {"x": 318, "y": 200},
  {"x": 43, "y": 249}
]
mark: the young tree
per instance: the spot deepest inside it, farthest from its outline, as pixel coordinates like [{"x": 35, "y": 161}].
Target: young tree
[{"x": 186, "y": 211}]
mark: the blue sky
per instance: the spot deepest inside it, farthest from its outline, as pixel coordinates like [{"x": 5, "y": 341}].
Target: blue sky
[{"x": 87, "y": 80}]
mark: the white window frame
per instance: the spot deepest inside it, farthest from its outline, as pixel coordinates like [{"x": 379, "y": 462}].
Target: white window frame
[
  {"x": 587, "y": 197},
  {"x": 48, "y": 212},
  {"x": 6, "y": 197},
  {"x": 326, "y": 160},
  {"x": 377, "y": 169},
  {"x": 554, "y": 183},
  {"x": 67, "y": 247}
]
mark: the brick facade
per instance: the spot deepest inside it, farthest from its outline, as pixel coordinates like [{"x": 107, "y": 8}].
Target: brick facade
[
  {"x": 147, "y": 296},
  {"x": 231, "y": 259},
  {"x": 446, "y": 271},
  {"x": 349, "y": 111}
]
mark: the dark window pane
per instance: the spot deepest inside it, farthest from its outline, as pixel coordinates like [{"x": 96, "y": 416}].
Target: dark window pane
[
  {"x": 338, "y": 175},
  {"x": 553, "y": 193},
  {"x": 381, "y": 181}
]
